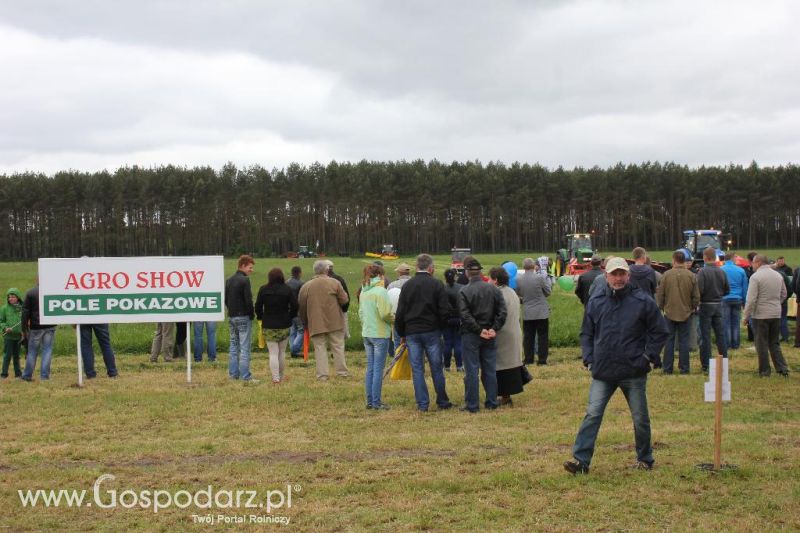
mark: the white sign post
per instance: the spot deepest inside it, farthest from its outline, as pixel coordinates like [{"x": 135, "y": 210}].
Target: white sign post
[{"x": 96, "y": 290}]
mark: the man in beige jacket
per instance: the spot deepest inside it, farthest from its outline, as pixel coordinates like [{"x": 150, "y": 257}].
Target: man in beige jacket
[
  {"x": 764, "y": 296},
  {"x": 320, "y": 301}
]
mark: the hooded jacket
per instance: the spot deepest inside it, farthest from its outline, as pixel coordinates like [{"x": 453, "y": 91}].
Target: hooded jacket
[
  {"x": 623, "y": 333},
  {"x": 375, "y": 310},
  {"x": 644, "y": 277},
  {"x": 11, "y": 316}
]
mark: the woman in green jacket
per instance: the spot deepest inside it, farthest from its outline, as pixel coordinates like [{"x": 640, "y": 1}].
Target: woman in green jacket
[
  {"x": 375, "y": 312},
  {"x": 11, "y": 326}
]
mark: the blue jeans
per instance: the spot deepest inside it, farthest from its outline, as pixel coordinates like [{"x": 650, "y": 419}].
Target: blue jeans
[
  {"x": 711, "y": 317},
  {"x": 784, "y": 322},
  {"x": 452, "y": 345},
  {"x": 600, "y": 392},
  {"x": 239, "y": 352},
  {"x": 87, "y": 354},
  {"x": 420, "y": 344},
  {"x": 376, "y": 360},
  {"x": 197, "y": 341},
  {"x": 681, "y": 330},
  {"x": 296, "y": 333},
  {"x": 732, "y": 322},
  {"x": 39, "y": 339},
  {"x": 479, "y": 353}
]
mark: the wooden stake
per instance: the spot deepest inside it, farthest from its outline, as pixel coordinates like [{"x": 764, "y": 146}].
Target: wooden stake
[
  {"x": 80, "y": 355},
  {"x": 718, "y": 415},
  {"x": 188, "y": 353}
]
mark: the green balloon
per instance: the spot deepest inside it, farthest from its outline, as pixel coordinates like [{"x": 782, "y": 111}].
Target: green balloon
[{"x": 566, "y": 283}]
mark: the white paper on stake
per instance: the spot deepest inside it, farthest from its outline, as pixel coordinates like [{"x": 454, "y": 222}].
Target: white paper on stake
[{"x": 711, "y": 384}]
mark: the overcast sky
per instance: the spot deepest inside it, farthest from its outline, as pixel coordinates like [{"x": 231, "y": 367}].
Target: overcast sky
[{"x": 100, "y": 84}]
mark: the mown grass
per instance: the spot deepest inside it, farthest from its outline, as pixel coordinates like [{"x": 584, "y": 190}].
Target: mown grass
[{"x": 398, "y": 470}]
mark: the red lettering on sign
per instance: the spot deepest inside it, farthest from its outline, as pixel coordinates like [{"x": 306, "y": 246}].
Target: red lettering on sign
[
  {"x": 194, "y": 278},
  {"x": 103, "y": 279},
  {"x": 174, "y": 279},
  {"x": 72, "y": 282},
  {"x": 121, "y": 280}
]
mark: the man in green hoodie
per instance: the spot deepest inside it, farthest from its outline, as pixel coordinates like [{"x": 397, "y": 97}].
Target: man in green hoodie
[{"x": 11, "y": 326}]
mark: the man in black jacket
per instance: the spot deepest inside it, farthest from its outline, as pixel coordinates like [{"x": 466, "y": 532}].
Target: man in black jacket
[
  {"x": 642, "y": 275},
  {"x": 239, "y": 301},
  {"x": 483, "y": 312},
  {"x": 622, "y": 334},
  {"x": 796, "y": 290},
  {"x": 344, "y": 306},
  {"x": 422, "y": 311},
  {"x": 585, "y": 280}
]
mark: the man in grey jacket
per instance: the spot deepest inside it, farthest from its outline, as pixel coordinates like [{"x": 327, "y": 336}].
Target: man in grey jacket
[
  {"x": 764, "y": 296},
  {"x": 713, "y": 285},
  {"x": 533, "y": 289}
]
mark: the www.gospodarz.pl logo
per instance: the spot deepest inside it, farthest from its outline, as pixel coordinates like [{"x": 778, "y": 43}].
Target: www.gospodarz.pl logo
[{"x": 266, "y": 501}]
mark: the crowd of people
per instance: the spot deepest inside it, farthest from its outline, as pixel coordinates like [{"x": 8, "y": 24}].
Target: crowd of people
[{"x": 491, "y": 326}]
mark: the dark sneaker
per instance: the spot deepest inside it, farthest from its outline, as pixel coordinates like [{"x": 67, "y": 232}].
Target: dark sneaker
[
  {"x": 467, "y": 410},
  {"x": 641, "y": 465},
  {"x": 574, "y": 467},
  {"x": 448, "y": 405},
  {"x": 381, "y": 407}
]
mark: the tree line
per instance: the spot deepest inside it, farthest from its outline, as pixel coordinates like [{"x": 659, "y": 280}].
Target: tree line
[{"x": 416, "y": 205}]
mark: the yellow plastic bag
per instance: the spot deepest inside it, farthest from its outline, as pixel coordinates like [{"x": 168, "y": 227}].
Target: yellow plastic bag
[
  {"x": 262, "y": 343},
  {"x": 402, "y": 366}
]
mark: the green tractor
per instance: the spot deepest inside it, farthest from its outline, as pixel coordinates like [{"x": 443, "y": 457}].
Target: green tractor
[{"x": 576, "y": 257}]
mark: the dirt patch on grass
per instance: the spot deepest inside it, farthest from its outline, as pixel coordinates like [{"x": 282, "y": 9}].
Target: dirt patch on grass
[{"x": 281, "y": 456}]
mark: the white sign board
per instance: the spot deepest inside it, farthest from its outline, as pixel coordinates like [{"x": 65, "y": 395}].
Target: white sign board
[
  {"x": 131, "y": 289},
  {"x": 711, "y": 384}
]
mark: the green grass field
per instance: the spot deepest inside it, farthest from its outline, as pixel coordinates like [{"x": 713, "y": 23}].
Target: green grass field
[{"x": 358, "y": 470}]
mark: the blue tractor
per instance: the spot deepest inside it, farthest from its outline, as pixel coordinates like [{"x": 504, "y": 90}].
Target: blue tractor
[{"x": 695, "y": 241}]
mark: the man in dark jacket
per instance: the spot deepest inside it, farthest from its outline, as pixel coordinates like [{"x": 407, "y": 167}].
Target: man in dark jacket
[
  {"x": 585, "y": 280},
  {"x": 786, "y": 271},
  {"x": 239, "y": 301},
  {"x": 422, "y": 311},
  {"x": 38, "y": 336},
  {"x": 642, "y": 275},
  {"x": 296, "y": 332},
  {"x": 713, "y": 285},
  {"x": 483, "y": 313},
  {"x": 344, "y": 306},
  {"x": 622, "y": 334},
  {"x": 796, "y": 290}
]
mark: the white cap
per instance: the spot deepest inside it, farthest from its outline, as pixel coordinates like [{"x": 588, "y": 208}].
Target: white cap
[{"x": 617, "y": 263}]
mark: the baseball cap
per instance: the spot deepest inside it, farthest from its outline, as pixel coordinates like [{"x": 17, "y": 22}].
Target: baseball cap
[{"x": 617, "y": 263}]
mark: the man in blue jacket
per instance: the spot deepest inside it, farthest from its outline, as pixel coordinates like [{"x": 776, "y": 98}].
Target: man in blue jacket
[
  {"x": 733, "y": 302},
  {"x": 622, "y": 334}
]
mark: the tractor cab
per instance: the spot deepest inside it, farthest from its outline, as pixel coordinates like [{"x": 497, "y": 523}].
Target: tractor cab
[
  {"x": 305, "y": 252},
  {"x": 457, "y": 258},
  {"x": 697, "y": 240},
  {"x": 576, "y": 257}
]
